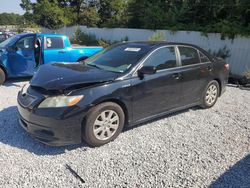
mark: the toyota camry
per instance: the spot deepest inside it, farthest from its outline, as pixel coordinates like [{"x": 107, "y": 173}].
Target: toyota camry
[{"x": 123, "y": 85}]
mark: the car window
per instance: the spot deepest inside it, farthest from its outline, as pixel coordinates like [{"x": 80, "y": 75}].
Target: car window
[
  {"x": 26, "y": 43},
  {"x": 54, "y": 43},
  {"x": 8, "y": 42},
  {"x": 162, "y": 58},
  {"x": 189, "y": 56},
  {"x": 204, "y": 58}
]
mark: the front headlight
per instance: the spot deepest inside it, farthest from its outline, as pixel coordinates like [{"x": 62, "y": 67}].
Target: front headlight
[{"x": 60, "y": 101}]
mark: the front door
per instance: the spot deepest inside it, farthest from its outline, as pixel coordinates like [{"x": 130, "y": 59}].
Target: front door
[
  {"x": 21, "y": 58},
  {"x": 158, "y": 92},
  {"x": 54, "y": 50}
]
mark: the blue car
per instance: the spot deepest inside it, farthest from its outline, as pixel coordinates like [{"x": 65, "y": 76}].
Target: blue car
[{"x": 22, "y": 54}]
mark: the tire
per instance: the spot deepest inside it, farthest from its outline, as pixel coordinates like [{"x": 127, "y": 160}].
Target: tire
[
  {"x": 243, "y": 81},
  {"x": 2, "y": 76},
  {"x": 210, "y": 94},
  {"x": 99, "y": 129}
]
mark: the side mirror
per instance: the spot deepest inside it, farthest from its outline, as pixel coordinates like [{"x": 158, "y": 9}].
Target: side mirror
[{"x": 147, "y": 70}]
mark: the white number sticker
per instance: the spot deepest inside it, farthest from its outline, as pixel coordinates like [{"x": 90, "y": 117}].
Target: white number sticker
[{"x": 132, "y": 49}]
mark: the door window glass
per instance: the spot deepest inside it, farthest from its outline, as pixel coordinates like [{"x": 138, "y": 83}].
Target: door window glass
[
  {"x": 204, "y": 59},
  {"x": 26, "y": 43},
  {"x": 189, "y": 56},
  {"x": 162, "y": 58},
  {"x": 54, "y": 43}
]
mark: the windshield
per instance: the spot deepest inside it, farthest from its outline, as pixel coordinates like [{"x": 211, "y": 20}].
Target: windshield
[
  {"x": 8, "y": 42},
  {"x": 119, "y": 58}
]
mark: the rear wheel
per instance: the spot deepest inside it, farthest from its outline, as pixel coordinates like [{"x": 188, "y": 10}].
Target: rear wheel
[
  {"x": 211, "y": 94},
  {"x": 103, "y": 124},
  {"x": 2, "y": 76}
]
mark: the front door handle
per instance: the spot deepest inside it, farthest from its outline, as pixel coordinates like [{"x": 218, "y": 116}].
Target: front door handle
[{"x": 176, "y": 76}]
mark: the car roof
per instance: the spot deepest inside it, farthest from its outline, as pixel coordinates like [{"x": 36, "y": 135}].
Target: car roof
[
  {"x": 154, "y": 44},
  {"x": 50, "y": 34},
  {"x": 157, "y": 44},
  {"x": 38, "y": 34},
  {"x": 24, "y": 34}
]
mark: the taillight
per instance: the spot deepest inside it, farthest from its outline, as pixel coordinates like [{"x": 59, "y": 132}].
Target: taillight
[{"x": 226, "y": 66}]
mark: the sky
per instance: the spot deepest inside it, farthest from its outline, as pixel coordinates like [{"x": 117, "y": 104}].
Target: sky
[{"x": 11, "y": 6}]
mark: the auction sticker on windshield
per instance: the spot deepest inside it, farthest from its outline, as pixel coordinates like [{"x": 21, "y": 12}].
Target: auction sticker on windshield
[{"x": 132, "y": 49}]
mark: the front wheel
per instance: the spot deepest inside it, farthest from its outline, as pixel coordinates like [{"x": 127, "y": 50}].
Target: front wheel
[
  {"x": 211, "y": 94},
  {"x": 103, "y": 124},
  {"x": 2, "y": 76}
]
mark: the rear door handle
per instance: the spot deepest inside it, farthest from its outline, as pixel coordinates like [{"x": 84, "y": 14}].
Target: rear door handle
[{"x": 176, "y": 76}]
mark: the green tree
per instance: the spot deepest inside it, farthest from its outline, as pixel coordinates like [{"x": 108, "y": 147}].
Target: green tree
[
  {"x": 80, "y": 12},
  {"x": 155, "y": 14},
  {"x": 158, "y": 36},
  {"x": 10, "y": 19},
  {"x": 229, "y": 17},
  {"x": 89, "y": 17},
  {"x": 136, "y": 12},
  {"x": 149, "y": 14},
  {"x": 49, "y": 15},
  {"x": 113, "y": 13}
]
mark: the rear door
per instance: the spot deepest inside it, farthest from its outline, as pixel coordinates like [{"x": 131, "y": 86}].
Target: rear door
[
  {"x": 195, "y": 74},
  {"x": 158, "y": 92},
  {"x": 22, "y": 59},
  {"x": 54, "y": 50}
]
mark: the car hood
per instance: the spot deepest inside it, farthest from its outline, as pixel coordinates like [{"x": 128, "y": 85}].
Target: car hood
[{"x": 61, "y": 76}]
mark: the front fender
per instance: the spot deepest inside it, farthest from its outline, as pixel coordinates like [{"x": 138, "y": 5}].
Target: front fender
[{"x": 112, "y": 92}]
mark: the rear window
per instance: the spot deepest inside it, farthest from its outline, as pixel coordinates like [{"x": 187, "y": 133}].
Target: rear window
[
  {"x": 54, "y": 43},
  {"x": 189, "y": 56},
  {"x": 204, "y": 58}
]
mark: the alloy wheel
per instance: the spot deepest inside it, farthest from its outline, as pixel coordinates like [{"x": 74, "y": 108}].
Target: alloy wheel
[
  {"x": 211, "y": 94},
  {"x": 106, "y": 125}
]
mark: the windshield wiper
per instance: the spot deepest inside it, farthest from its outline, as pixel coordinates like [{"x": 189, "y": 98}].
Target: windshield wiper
[{"x": 93, "y": 65}]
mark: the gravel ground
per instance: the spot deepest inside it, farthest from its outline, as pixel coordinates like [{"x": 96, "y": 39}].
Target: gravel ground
[{"x": 192, "y": 148}]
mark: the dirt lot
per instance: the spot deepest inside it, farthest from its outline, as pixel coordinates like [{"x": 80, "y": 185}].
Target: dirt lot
[{"x": 192, "y": 148}]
